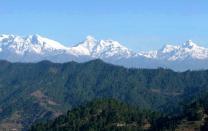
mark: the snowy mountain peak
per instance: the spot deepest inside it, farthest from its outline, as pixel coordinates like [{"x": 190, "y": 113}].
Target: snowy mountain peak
[
  {"x": 34, "y": 37},
  {"x": 100, "y": 48},
  {"x": 4, "y": 37},
  {"x": 89, "y": 43},
  {"x": 189, "y": 41},
  {"x": 189, "y": 50},
  {"x": 169, "y": 48},
  {"x": 189, "y": 44},
  {"x": 35, "y": 48},
  {"x": 34, "y": 44},
  {"x": 90, "y": 38},
  {"x": 44, "y": 42}
]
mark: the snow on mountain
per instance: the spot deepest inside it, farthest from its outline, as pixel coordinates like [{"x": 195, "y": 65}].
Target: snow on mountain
[
  {"x": 32, "y": 48},
  {"x": 188, "y": 50},
  {"x": 35, "y": 48},
  {"x": 30, "y": 44},
  {"x": 148, "y": 54},
  {"x": 101, "y": 48}
]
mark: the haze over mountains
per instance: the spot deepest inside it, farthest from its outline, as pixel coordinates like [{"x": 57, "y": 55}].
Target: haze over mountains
[{"x": 34, "y": 48}]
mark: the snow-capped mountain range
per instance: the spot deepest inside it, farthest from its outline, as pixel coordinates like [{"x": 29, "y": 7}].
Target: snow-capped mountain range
[{"x": 34, "y": 48}]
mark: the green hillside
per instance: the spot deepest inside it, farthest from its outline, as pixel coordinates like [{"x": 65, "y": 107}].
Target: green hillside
[
  {"x": 100, "y": 115},
  {"x": 42, "y": 91},
  {"x": 111, "y": 115}
]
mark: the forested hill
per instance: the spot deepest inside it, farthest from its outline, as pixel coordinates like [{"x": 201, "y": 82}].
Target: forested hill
[
  {"x": 31, "y": 92},
  {"x": 101, "y": 115},
  {"x": 111, "y": 115}
]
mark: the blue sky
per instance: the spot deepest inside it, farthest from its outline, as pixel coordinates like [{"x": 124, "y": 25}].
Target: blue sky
[{"x": 137, "y": 24}]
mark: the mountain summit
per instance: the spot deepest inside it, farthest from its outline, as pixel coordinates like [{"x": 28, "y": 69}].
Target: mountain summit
[
  {"x": 34, "y": 48},
  {"x": 31, "y": 43},
  {"x": 190, "y": 44},
  {"x": 101, "y": 48}
]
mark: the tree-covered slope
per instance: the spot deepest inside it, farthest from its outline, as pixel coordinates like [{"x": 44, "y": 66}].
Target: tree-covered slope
[
  {"x": 194, "y": 117},
  {"x": 112, "y": 115},
  {"x": 100, "y": 115},
  {"x": 30, "y": 92}
]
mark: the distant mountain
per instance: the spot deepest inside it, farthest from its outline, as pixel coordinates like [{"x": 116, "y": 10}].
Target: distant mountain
[
  {"x": 101, "y": 49},
  {"x": 36, "y": 48},
  {"x": 188, "y": 50}
]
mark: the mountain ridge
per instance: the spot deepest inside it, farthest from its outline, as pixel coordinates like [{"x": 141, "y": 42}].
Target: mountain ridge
[
  {"x": 34, "y": 48},
  {"x": 47, "y": 89}
]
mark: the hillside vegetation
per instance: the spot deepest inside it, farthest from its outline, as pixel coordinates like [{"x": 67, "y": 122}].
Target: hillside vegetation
[
  {"x": 111, "y": 115},
  {"x": 42, "y": 91}
]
